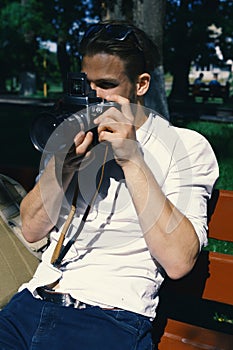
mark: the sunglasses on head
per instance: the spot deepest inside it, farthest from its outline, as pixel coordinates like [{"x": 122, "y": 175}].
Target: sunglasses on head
[{"x": 111, "y": 31}]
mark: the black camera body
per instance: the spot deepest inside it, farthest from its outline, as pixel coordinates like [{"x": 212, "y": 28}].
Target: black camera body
[{"x": 53, "y": 131}]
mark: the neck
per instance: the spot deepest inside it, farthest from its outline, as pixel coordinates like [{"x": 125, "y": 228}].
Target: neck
[{"x": 140, "y": 115}]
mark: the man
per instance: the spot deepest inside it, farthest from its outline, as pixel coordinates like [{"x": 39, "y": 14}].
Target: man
[
  {"x": 198, "y": 81},
  {"x": 147, "y": 219},
  {"x": 214, "y": 81}
]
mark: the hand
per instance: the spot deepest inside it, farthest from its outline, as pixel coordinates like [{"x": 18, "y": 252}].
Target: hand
[
  {"x": 118, "y": 128},
  {"x": 79, "y": 154}
]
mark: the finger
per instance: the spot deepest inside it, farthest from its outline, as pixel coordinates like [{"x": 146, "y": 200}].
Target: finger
[
  {"x": 124, "y": 103},
  {"x": 117, "y": 98},
  {"x": 78, "y": 139},
  {"x": 82, "y": 147},
  {"x": 112, "y": 114},
  {"x": 115, "y": 114},
  {"x": 108, "y": 125}
]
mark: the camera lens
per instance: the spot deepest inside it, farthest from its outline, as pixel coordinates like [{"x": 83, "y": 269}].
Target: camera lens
[
  {"x": 51, "y": 133},
  {"x": 42, "y": 128}
]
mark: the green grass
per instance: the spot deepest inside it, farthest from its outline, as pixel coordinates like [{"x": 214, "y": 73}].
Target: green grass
[{"x": 223, "y": 247}]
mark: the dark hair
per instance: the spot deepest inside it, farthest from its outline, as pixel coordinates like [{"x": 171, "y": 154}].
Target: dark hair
[{"x": 124, "y": 40}]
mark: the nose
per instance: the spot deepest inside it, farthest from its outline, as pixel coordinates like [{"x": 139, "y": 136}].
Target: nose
[
  {"x": 93, "y": 86},
  {"x": 99, "y": 92}
]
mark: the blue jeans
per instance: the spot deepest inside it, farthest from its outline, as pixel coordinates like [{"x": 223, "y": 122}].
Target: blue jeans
[{"x": 30, "y": 324}]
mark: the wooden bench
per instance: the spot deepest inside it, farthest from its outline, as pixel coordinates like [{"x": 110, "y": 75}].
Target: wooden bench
[
  {"x": 196, "y": 312},
  {"x": 210, "y": 91}
]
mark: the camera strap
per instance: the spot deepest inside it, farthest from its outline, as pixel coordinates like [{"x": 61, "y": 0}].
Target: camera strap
[{"x": 61, "y": 250}]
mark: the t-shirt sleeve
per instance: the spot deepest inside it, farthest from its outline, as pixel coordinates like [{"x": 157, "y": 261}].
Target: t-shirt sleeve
[{"x": 191, "y": 179}]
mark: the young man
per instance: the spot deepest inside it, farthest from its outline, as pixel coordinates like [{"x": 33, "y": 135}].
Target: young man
[{"x": 148, "y": 218}]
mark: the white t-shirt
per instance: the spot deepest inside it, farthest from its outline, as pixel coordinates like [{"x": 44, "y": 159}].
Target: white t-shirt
[{"x": 109, "y": 264}]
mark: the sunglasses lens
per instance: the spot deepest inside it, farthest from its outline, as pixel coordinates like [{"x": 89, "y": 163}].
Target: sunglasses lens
[
  {"x": 117, "y": 32},
  {"x": 109, "y": 31},
  {"x": 93, "y": 29}
]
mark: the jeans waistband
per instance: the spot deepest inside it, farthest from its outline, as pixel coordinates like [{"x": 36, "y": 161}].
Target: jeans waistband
[{"x": 64, "y": 299}]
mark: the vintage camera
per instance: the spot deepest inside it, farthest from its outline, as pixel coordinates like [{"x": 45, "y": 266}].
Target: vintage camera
[{"x": 53, "y": 131}]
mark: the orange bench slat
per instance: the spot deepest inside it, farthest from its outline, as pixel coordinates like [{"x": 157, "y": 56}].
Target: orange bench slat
[
  {"x": 183, "y": 336},
  {"x": 221, "y": 222}
]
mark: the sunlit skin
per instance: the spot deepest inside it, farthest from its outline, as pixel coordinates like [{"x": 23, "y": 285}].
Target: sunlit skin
[{"x": 175, "y": 245}]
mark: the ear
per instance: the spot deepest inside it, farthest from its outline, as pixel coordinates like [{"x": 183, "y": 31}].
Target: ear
[{"x": 143, "y": 84}]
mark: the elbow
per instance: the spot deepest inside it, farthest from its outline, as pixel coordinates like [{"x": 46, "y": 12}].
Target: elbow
[
  {"x": 33, "y": 233},
  {"x": 27, "y": 234},
  {"x": 32, "y": 237},
  {"x": 183, "y": 260},
  {"x": 177, "y": 273},
  {"x": 180, "y": 269}
]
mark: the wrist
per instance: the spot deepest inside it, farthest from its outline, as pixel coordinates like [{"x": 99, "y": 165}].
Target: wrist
[{"x": 63, "y": 171}]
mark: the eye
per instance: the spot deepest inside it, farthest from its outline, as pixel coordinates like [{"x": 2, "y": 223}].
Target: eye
[{"x": 107, "y": 85}]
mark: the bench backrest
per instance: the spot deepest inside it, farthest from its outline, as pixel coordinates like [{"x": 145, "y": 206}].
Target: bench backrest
[
  {"x": 211, "y": 276},
  {"x": 221, "y": 215},
  {"x": 219, "y": 285},
  {"x": 191, "y": 308}
]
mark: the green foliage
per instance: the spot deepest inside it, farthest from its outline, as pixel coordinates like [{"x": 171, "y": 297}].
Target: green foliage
[
  {"x": 189, "y": 20},
  {"x": 223, "y": 247},
  {"x": 188, "y": 39},
  {"x": 11, "y": 16},
  {"x": 25, "y": 24},
  {"x": 223, "y": 318},
  {"x": 17, "y": 41}
]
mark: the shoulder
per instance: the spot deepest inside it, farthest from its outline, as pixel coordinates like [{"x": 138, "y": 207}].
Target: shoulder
[
  {"x": 184, "y": 142},
  {"x": 196, "y": 145},
  {"x": 163, "y": 129}
]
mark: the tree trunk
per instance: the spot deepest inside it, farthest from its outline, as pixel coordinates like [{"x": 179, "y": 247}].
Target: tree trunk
[
  {"x": 156, "y": 98},
  {"x": 3, "y": 89},
  {"x": 149, "y": 16},
  {"x": 182, "y": 60},
  {"x": 63, "y": 61},
  {"x": 180, "y": 80}
]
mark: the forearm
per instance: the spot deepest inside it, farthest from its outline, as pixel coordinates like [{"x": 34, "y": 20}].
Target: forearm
[
  {"x": 170, "y": 236},
  {"x": 41, "y": 206}
]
